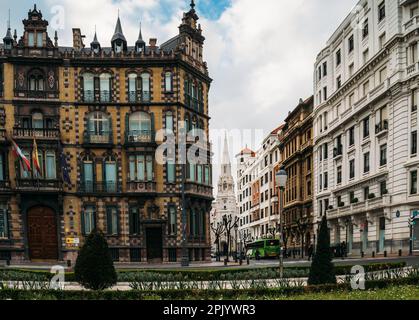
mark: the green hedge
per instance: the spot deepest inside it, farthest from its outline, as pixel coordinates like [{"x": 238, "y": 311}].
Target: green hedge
[
  {"x": 199, "y": 275},
  {"x": 194, "y": 294}
]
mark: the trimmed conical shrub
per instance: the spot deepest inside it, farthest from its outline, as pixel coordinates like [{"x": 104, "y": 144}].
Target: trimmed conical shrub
[
  {"x": 94, "y": 267},
  {"x": 322, "y": 269}
]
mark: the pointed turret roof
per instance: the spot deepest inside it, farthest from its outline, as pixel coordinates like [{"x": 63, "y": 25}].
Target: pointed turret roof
[
  {"x": 140, "y": 37},
  {"x": 95, "y": 42},
  {"x": 118, "y": 34},
  {"x": 9, "y": 31}
]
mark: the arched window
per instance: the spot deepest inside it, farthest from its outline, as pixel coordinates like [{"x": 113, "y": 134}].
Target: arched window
[
  {"x": 36, "y": 80},
  {"x": 110, "y": 175},
  {"x": 132, "y": 87},
  {"x": 88, "y": 180},
  {"x": 168, "y": 82},
  {"x": 37, "y": 120},
  {"x": 98, "y": 127},
  {"x": 140, "y": 126},
  {"x": 145, "y": 87},
  {"x": 105, "y": 87},
  {"x": 88, "y": 87}
]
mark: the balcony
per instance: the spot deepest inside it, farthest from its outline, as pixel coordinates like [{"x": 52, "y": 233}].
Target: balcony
[
  {"x": 198, "y": 190},
  {"x": 94, "y": 139},
  {"x": 141, "y": 187},
  {"x": 381, "y": 128},
  {"x": 90, "y": 96},
  {"x": 39, "y": 185},
  {"x": 39, "y": 133},
  {"x": 338, "y": 151},
  {"x": 135, "y": 137},
  {"x": 32, "y": 94},
  {"x": 412, "y": 69},
  {"x": 99, "y": 187}
]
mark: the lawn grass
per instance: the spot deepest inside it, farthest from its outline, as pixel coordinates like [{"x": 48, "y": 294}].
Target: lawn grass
[{"x": 391, "y": 293}]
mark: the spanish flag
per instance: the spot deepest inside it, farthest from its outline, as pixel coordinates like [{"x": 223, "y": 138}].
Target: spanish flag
[{"x": 35, "y": 157}]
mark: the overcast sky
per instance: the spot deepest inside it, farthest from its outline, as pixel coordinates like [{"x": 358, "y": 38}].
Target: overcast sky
[{"x": 260, "y": 53}]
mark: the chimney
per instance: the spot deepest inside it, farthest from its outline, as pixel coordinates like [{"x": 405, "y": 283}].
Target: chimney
[
  {"x": 78, "y": 39},
  {"x": 153, "y": 42}
]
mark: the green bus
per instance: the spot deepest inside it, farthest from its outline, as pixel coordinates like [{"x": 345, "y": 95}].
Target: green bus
[{"x": 266, "y": 248}]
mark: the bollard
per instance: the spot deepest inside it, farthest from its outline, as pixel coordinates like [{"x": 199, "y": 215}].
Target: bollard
[{"x": 400, "y": 252}]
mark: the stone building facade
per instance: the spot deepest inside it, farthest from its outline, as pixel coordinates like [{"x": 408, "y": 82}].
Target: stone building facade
[
  {"x": 99, "y": 110},
  {"x": 366, "y": 128},
  {"x": 297, "y": 159}
]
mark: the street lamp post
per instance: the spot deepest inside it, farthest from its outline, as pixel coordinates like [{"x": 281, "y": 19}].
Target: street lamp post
[
  {"x": 236, "y": 228},
  {"x": 281, "y": 181}
]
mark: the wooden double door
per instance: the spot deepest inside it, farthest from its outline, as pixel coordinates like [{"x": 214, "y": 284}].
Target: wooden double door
[
  {"x": 154, "y": 239},
  {"x": 42, "y": 234}
]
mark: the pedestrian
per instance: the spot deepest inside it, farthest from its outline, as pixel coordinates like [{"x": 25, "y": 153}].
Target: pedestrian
[{"x": 310, "y": 251}]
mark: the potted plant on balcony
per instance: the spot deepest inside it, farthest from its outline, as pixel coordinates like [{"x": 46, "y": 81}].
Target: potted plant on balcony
[
  {"x": 385, "y": 192},
  {"x": 354, "y": 200},
  {"x": 371, "y": 196}
]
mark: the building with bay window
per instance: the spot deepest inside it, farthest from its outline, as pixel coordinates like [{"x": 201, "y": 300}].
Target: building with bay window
[
  {"x": 96, "y": 113},
  {"x": 365, "y": 128}
]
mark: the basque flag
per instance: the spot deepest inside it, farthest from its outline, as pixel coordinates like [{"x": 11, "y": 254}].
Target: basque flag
[
  {"x": 65, "y": 169},
  {"x": 26, "y": 164}
]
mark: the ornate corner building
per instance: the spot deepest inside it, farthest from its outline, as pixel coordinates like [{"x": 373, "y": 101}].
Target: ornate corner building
[{"x": 98, "y": 110}]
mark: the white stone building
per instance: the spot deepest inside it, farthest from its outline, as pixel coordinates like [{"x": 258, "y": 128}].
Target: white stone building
[
  {"x": 258, "y": 203},
  {"x": 225, "y": 204},
  {"x": 366, "y": 128}
]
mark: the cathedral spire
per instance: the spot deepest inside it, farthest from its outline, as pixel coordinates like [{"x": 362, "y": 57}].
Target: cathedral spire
[{"x": 225, "y": 162}]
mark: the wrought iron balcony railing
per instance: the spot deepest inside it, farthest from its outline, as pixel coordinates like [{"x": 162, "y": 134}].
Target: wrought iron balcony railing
[
  {"x": 91, "y": 96},
  {"x": 381, "y": 127},
  {"x": 99, "y": 187},
  {"x": 39, "y": 184},
  {"x": 91, "y": 137},
  {"x": 338, "y": 151},
  {"x": 139, "y": 136}
]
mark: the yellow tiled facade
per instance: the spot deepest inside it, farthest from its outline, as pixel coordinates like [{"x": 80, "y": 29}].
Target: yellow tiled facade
[{"x": 97, "y": 114}]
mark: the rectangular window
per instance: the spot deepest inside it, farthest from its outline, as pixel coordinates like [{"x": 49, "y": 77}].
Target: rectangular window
[
  {"x": 338, "y": 58},
  {"x": 171, "y": 172},
  {"x": 366, "y": 55},
  {"x": 169, "y": 121},
  {"x": 413, "y": 182},
  {"x": 366, "y": 162},
  {"x": 414, "y": 100},
  {"x": 351, "y": 69},
  {"x": 88, "y": 176},
  {"x": 351, "y": 44},
  {"x": 383, "y": 155},
  {"x": 326, "y": 181},
  {"x": 324, "y": 68},
  {"x": 4, "y": 226},
  {"x": 326, "y": 151},
  {"x": 382, "y": 40},
  {"x": 325, "y": 93},
  {"x": 134, "y": 221},
  {"x": 31, "y": 39},
  {"x": 381, "y": 11},
  {"x": 366, "y": 193},
  {"x": 192, "y": 172},
  {"x": 50, "y": 165},
  {"x": 352, "y": 169},
  {"x": 366, "y": 88},
  {"x": 149, "y": 168},
  {"x": 39, "y": 39},
  {"x": 207, "y": 176},
  {"x": 414, "y": 143},
  {"x": 339, "y": 175},
  {"x": 339, "y": 82},
  {"x": 366, "y": 127},
  {"x": 351, "y": 136},
  {"x": 168, "y": 82},
  {"x": 112, "y": 220},
  {"x": 199, "y": 173},
  {"x": 88, "y": 220},
  {"x": 172, "y": 220},
  {"x": 2, "y": 167},
  {"x": 365, "y": 29},
  {"x": 383, "y": 188},
  {"x": 383, "y": 75}
]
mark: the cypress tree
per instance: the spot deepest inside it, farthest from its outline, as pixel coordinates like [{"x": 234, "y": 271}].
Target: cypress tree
[
  {"x": 322, "y": 269},
  {"x": 94, "y": 267}
]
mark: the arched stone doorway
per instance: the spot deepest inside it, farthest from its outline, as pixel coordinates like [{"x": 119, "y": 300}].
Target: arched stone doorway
[{"x": 42, "y": 234}]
